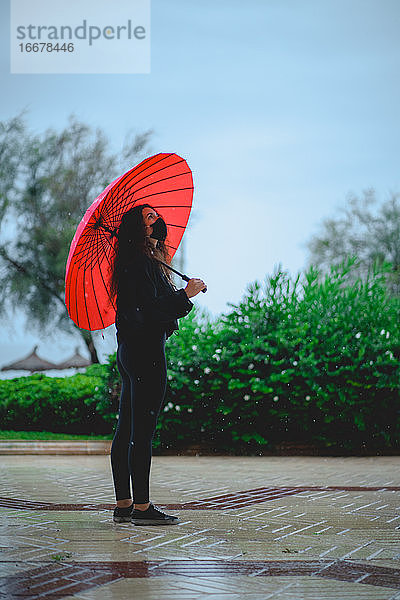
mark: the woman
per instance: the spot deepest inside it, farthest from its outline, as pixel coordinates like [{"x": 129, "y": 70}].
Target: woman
[{"x": 148, "y": 306}]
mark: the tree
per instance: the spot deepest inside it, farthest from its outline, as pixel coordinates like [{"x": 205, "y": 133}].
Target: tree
[
  {"x": 11, "y": 150},
  {"x": 372, "y": 238},
  {"x": 46, "y": 185}
]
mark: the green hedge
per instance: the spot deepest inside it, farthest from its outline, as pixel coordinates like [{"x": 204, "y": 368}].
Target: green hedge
[
  {"x": 310, "y": 362},
  {"x": 57, "y": 404}
]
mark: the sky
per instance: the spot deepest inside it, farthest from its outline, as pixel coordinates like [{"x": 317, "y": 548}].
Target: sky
[{"x": 280, "y": 107}]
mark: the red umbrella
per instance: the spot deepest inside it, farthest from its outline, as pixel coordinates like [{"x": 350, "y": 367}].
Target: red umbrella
[{"x": 164, "y": 181}]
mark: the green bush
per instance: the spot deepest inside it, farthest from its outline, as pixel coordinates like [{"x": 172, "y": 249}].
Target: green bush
[
  {"x": 58, "y": 404},
  {"x": 318, "y": 366}
]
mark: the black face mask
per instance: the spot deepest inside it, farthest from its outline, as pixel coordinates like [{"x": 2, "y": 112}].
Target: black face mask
[{"x": 159, "y": 230}]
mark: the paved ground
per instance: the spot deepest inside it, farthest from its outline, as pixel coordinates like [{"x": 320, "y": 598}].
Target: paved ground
[{"x": 254, "y": 527}]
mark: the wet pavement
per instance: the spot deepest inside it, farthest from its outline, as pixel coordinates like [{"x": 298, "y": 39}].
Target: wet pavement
[{"x": 251, "y": 527}]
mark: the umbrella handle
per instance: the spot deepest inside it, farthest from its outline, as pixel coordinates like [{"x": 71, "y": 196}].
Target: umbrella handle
[{"x": 184, "y": 277}]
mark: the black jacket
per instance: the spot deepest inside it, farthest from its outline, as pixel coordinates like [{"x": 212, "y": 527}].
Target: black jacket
[{"x": 146, "y": 301}]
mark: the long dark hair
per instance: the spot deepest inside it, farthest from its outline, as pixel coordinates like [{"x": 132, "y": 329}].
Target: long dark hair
[{"x": 132, "y": 238}]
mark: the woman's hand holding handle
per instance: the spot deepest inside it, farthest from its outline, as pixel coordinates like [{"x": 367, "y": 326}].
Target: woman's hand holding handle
[{"x": 195, "y": 286}]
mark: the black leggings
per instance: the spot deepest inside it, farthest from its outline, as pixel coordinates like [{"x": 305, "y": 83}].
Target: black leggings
[{"x": 143, "y": 369}]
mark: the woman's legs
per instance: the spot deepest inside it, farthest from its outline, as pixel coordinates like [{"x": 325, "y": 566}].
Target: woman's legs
[
  {"x": 143, "y": 370},
  {"x": 120, "y": 443}
]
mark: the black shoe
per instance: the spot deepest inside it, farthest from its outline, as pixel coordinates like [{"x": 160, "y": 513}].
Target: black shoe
[
  {"x": 152, "y": 516},
  {"x": 123, "y": 514}
]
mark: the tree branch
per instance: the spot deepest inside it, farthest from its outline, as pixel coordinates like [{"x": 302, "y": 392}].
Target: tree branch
[{"x": 23, "y": 269}]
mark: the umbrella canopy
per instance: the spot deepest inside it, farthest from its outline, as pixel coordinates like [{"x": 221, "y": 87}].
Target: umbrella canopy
[
  {"x": 164, "y": 181},
  {"x": 32, "y": 362},
  {"x": 76, "y": 360}
]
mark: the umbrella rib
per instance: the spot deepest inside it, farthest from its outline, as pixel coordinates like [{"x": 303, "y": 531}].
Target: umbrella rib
[
  {"x": 76, "y": 295},
  {"x": 89, "y": 252},
  {"x": 166, "y": 192},
  {"x": 87, "y": 232},
  {"x": 98, "y": 244},
  {"x": 90, "y": 258},
  {"x": 95, "y": 253},
  {"x": 174, "y": 225},
  {"x": 84, "y": 252},
  {"x": 132, "y": 173},
  {"x": 122, "y": 205},
  {"x": 105, "y": 251},
  {"x": 135, "y": 171},
  {"x": 95, "y": 297},
  {"x": 159, "y": 181},
  {"x": 109, "y": 215},
  {"x": 94, "y": 249},
  {"x": 171, "y": 205},
  {"x": 67, "y": 290},
  {"x": 84, "y": 298},
  {"x": 163, "y": 178},
  {"x": 102, "y": 241},
  {"x": 89, "y": 265},
  {"x": 105, "y": 285},
  {"x": 114, "y": 192}
]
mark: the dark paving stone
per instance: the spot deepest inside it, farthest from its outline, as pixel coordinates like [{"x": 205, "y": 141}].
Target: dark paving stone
[{"x": 232, "y": 500}]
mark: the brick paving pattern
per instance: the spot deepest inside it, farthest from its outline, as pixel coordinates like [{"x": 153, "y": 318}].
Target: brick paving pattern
[{"x": 254, "y": 527}]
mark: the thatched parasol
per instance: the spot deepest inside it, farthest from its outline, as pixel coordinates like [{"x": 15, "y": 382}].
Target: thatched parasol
[
  {"x": 76, "y": 360},
  {"x": 31, "y": 363}
]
